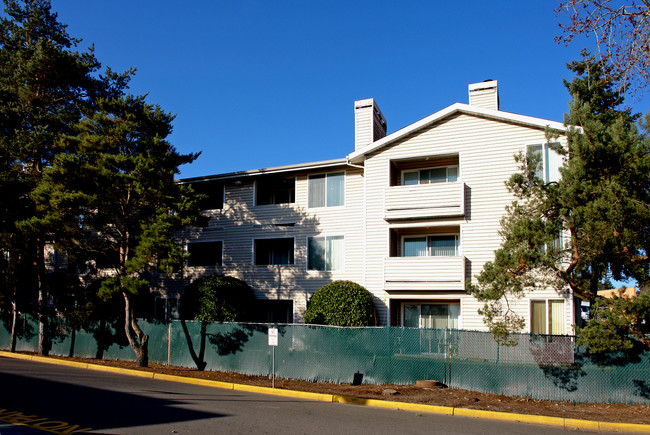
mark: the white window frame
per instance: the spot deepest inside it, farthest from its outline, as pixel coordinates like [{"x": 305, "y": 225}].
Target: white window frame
[
  {"x": 414, "y": 236},
  {"x": 175, "y": 314},
  {"x": 420, "y": 303},
  {"x": 255, "y": 186},
  {"x": 254, "y": 252},
  {"x": 547, "y": 315},
  {"x": 325, "y": 237},
  {"x": 406, "y": 171},
  {"x": 326, "y": 175},
  {"x": 546, "y": 176},
  {"x": 196, "y": 242}
]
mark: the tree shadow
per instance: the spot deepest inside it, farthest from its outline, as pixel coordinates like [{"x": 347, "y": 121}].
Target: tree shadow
[
  {"x": 234, "y": 341},
  {"x": 642, "y": 388}
]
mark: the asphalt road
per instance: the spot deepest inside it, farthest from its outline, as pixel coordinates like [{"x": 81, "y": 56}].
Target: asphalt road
[{"x": 71, "y": 400}]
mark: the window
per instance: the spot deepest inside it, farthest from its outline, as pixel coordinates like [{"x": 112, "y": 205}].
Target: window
[
  {"x": 327, "y": 190},
  {"x": 444, "y": 174},
  {"x": 438, "y": 316},
  {"x": 212, "y": 193},
  {"x": 275, "y": 190},
  {"x": 547, "y": 162},
  {"x": 166, "y": 309},
  {"x": 547, "y": 317},
  {"x": 204, "y": 254},
  {"x": 325, "y": 253},
  {"x": 273, "y": 251},
  {"x": 431, "y": 246}
]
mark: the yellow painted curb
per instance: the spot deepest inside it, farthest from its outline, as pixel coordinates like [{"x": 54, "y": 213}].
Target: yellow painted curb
[
  {"x": 194, "y": 381},
  {"x": 290, "y": 393},
  {"x": 16, "y": 355},
  {"x": 404, "y": 406},
  {"x": 624, "y": 427},
  {"x": 506, "y": 416},
  {"x": 572, "y": 423}
]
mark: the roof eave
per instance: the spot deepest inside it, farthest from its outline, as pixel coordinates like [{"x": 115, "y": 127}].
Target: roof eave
[{"x": 273, "y": 170}]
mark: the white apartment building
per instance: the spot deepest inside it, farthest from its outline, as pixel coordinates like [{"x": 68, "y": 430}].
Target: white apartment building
[{"x": 411, "y": 216}]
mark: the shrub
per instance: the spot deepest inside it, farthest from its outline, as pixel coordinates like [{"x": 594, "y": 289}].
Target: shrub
[
  {"x": 341, "y": 303},
  {"x": 217, "y": 298}
]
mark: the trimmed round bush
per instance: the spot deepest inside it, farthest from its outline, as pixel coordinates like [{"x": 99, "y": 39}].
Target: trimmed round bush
[
  {"x": 217, "y": 298},
  {"x": 341, "y": 303}
]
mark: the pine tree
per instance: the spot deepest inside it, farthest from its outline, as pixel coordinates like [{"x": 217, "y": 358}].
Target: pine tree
[
  {"x": 116, "y": 185},
  {"x": 601, "y": 205},
  {"x": 44, "y": 84}
]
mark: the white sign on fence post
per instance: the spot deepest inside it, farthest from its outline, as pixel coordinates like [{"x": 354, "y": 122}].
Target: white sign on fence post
[
  {"x": 273, "y": 336},
  {"x": 273, "y": 342}
]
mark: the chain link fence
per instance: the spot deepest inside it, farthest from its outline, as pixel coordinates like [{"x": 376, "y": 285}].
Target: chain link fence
[{"x": 540, "y": 367}]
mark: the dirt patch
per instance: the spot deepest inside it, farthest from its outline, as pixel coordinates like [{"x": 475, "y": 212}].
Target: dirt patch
[{"x": 618, "y": 413}]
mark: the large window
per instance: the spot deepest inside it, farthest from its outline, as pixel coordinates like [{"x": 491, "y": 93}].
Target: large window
[
  {"x": 275, "y": 190},
  {"x": 326, "y": 253},
  {"x": 273, "y": 251},
  {"x": 211, "y": 193},
  {"x": 204, "y": 253},
  {"x": 442, "y": 174},
  {"x": 439, "y": 316},
  {"x": 547, "y": 162},
  {"x": 166, "y": 309},
  {"x": 547, "y": 317},
  {"x": 327, "y": 190},
  {"x": 431, "y": 246}
]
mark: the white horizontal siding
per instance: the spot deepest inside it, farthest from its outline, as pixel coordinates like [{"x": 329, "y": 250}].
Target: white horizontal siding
[
  {"x": 240, "y": 222},
  {"x": 486, "y": 150}
]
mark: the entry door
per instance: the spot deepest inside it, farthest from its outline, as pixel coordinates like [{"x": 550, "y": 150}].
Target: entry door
[{"x": 434, "y": 320}]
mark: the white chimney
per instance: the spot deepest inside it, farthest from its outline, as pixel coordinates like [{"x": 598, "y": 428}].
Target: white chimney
[
  {"x": 369, "y": 123},
  {"x": 484, "y": 94}
]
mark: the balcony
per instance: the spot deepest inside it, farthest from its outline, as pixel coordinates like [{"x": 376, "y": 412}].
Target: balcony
[
  {"x": 420, "y": 201},
  {"x": 424, "y": 273}
]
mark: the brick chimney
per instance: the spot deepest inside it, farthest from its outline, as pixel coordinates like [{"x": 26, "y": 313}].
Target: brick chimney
[
  {"x": 484, "y": 94},
  {"x": 369, "y": 123}
]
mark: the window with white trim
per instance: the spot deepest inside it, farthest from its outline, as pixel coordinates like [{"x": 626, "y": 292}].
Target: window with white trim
[
  {"x": 441, "y": 174},
  {"x": 275, "y": 190},
  {"x": 273, "y": 251},
  {"x": 204, "y": 254},
  {"x": 547, "y": 317},
  {"x": 431, "y": 246},
  {"x": 433, "y": 315},
  {"x": 326, "y": 253},
  {"x": 326, "y": 190},
  {"x": 547, "y": 162},
  {"x": 211, "y": 193}
]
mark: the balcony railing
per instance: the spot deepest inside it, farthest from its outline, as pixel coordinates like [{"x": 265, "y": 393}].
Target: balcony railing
[
  {"x": 424, "y": 273},
  {"x": 425, "y": 201}
]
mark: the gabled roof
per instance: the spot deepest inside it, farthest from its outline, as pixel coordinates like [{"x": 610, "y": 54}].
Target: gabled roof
[{"x": 497, "y": 115}]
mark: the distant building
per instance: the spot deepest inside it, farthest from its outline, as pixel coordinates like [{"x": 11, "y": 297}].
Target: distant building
[{"x": 623, "y": 292}]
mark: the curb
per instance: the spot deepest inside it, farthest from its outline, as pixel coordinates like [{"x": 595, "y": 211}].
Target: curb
[{"x": 566, "y": 423}]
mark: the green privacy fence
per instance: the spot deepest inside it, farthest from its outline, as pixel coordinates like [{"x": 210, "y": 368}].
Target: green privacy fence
[{"x": 541, "y": 367}]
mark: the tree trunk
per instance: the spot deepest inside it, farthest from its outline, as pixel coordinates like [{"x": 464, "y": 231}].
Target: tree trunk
[
  {"x": 198, "y": 359},
  {"x": 14, "y": 318},
  {"x": 73, "y": 336},
  {"x": 138, "y": 340},
  {"x": 43, "y": 344}
]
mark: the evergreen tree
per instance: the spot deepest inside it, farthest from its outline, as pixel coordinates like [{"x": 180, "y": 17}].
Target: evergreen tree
[
  {"x": 44, "y": 85},
  {"x": 600, "y": 205},
  {"x": 115, "y": 187}
]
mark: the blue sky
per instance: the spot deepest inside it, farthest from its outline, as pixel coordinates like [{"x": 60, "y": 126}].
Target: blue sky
[{"x": 258, "y": 83}]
